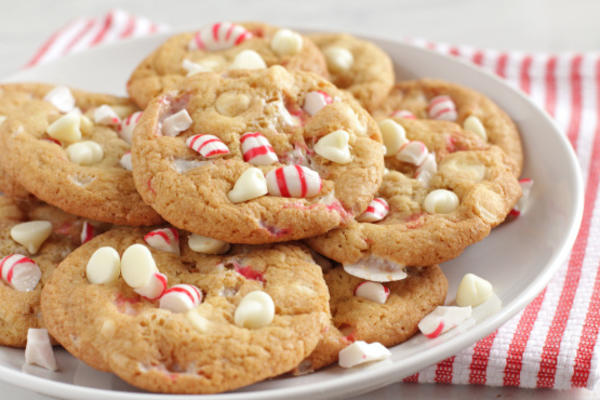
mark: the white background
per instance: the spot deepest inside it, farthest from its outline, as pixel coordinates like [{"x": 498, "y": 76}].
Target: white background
[{"x": 532, "y": 25}]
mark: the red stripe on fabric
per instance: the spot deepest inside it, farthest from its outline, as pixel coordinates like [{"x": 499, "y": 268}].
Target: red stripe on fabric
[
  {"x": 302, "y": 179},
  {"x": 551, "y": 85},
  {"x": 281, "y": 182},
  {"x": 454, "y": 51},
  {"x": 411, "y": 379},
  {"x": 576, "y": 100},
  {"x": 129, "y": 28},
  {"x": 525, "y": 74},
  {"x": 444, "y": 370},
  {"x": 501, "y": 65},
  {"x": 47, "y": 45},
  {"x": 480, "y": 359},
  {"x": 100, "y": 35},
  {"x": 82, "y": 32},
  {"x": 589, "y": 334},
  {"x": 478, "y": 57},
  {"x": 154, "y": 28},
  {"x": 551, "y": 347},
  {"x": 514, "y": 356}
]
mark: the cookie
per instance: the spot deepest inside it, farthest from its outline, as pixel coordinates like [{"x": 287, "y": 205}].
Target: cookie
[
  {"x": 203, "y": 349},
  {"x": 20, "y": 309},
  {"x": 357, "y": 66},
  {"x": 66, "y": 147},
  {"x": 220, "y": 47},
  {"x": 437, "y": 99},
  {"x": 444, "y": 190},
  {"x": 257, "y": 157},
  {"x": 359, "y": 318}
]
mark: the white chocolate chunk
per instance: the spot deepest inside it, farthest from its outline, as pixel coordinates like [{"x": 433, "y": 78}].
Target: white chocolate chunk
[
  {"x": 38, "y": 350},
  {"x": 154, "y": 288},
  {"x": 104, "y": 266},
  {"x": 286, "y": 42},
  {"x": 206, "y": 245},
  {"x": 376, "y": 269},
  {"x": 31, "y": 234},
  {"x": 394, "y": 136},
  {"x": 442, "y": 319},
  {"x": 440, "y": 201},
  {"x": 248, "y": 59},
  {"x": 334, "y": 147},
  {"x": 2, "y": 119},
  {"x": 200, "y": 323},
  {"x": 137, "y": 265},
  {"x": 473, "y": 124},
  {"x": 373, "y": 291},
  {"x": 231, "y": 103},
  {"x": 61, "y": 98},
  {"x": 256, "y": 310},
  {"x": 361, "y": 352},
  {"x": 193, "y": 68},
  {"x": 105, "y": 115},
  {"x": 339, "y": 59},
  {"x": 66, "y": 128},
  {"x": 174, "y": 124},
  {"x": 250, "y": 185},
  {"x": 473, "y": 291},
  {"x": 126, "y": 162},
  {"x": 87, "y": 152}
]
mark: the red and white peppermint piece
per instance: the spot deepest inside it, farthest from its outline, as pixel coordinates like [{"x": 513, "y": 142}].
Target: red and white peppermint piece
[
  {"x": 373, "y": 291},
  {"x": 360, "y": 352},
  {"x": 403, "y": 114},
  {"x": 315, "y": 101},
  {"x": 20, "y": 272},
  {"x": 154, "y": 288},
  {"x": 126, "y": 162},
  {"x": 442, "y": 108},
  {"x": 523, "y": 203},
  {"x": 293, "y": 181},
  {"x": 39, "y": 349},
  {"x": 442, "y": 319},
  {"x": 87, "y": 232},
  {"x": 207, "y": 146},
  {"x": 181, "y": 298},
  {"x": 257, "y": 150},
  {"x": 376, "y": 211},
  {"x": 128, "y": 125},
  {"x": 413, "y": 152},
  {"x": 164, "y": 239},
  {"x": 105, "y": 115},
  {"x": 174, "y": 124},
  {"x": 61, "y": 98},
  {"x": 377, "y": 269},
  {"x": 219, "y": 36},
  {"x": 426, "y": 170}
]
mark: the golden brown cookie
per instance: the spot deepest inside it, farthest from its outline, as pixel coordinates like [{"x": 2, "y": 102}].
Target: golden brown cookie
[
  {"x": 488, "y": 120},
  {"x": 203, "y": 350},
  {"x": 67, "y": 159},
  {"x": 444, "y": 190},
  {"x": 358, "y": 318},
  {"x": 357, "y": 66},
  {"x": 20, "y": 310},
  {"x": 215, "y": 48},
  {"x": 253, "y": 165}
]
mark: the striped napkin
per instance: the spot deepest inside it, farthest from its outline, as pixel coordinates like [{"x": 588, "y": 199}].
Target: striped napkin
[{"x": 552, "y": 343}]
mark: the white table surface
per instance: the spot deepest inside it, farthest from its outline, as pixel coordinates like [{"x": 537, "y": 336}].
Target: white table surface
[{"x": 532, "y": 25}]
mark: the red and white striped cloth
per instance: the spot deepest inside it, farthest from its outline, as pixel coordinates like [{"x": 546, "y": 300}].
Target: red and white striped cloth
[{"x": 552, "y": 343}]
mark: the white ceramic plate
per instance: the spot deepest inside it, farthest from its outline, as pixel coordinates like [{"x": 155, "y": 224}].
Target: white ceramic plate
[{"x": 519, "y": 258}]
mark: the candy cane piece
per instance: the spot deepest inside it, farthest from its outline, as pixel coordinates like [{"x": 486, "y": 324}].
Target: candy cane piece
[
  {"x": 207, "y": 146},
  {"x": 442, "y": 319},
  {"x": 181, "y": 298},
  {"x": 314, "y": 101},
  {"x": 442, "y": 108},
  {"x": 413, "y": 152},
  {"x": 87, "y": 232},
  {"x": 376, "y": 211},
  {"x": 373, "y": 291},
  {"x": 164, "y": 239},
  {"x": 20, "y": 272},
  {"x": 360, "y": 352},
  {"x": 174, "y": 124},
  {"x": 403, "y": 114},
  {"x": 38, "y": 350},
  {"x": 155, "y": 288},
  {"x": 293, "y": 181},
  {"x": 128, "y": 126},
  {"x": 219, "y": 36},
  {"x": 257, "y": 150},
  {"x": 105, "y": 115}
]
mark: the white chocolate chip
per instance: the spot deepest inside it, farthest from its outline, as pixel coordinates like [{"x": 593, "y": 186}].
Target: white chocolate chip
[
  {"x": 174, "y": 124},
  {"x": 108, "y": 328},
  {"x": 361, "y": 352},
  {"x": 440, "y": 201},
  {"x": 394, "y": 136},
  {"x": 338, "y": 58},
  {"x": 193, "y": 68},
  {"x": 85, "y": 124},
  {"x": 248, "y": 59},
  {"x": 334, "y": 147},
  {"x": 31, "y": 234},
  {"x": 473, "y": 124},
  {"x": 104, "y": 266},
  {"x": 473, "y": 291},
  {"x": 2, "y": 119},
  {"x": 137, "y": 266},
  {"x": 286, "y": 42},
  {"x": 66, "y": 128},
  {"x": 206, "y": 245},
  {"x": 201, "y": 324},
  {"x": 61, "y": 98},
  {"x": 87, "y": 152},
  {"x": 250, "y": 185},
  {"x": 231, "y": 104},
  {"x": 126, "y": 162},
  {"x": 39, "y": 349},
  {"x": 256, "y": 310},
  {"x": 105, "y": 115}
]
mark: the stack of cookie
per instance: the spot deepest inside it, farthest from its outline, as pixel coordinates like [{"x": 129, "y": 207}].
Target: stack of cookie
[{"x": 264, "y": 203}]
